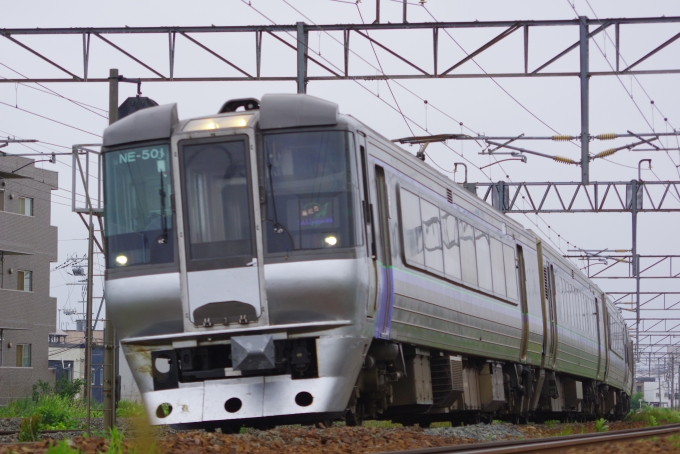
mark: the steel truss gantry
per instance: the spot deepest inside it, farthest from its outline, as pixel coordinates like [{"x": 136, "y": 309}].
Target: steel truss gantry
[
  {"x": 296, "y": 37},
  {"x": 300, "y": 32}
]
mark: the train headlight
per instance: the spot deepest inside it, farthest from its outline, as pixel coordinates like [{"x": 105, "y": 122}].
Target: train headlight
[
  {"x": 330, "y": 240},
  {"x": 206, "y": 124},
  {"x": 121, "y": 260}
]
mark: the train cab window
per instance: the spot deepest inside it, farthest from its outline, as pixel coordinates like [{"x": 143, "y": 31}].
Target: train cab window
[
  {"x": 482, "y": 243},
  {"x": 218, "y": 208},
  {"x": 451, "y": 244},
  {"x": 138, "y": 213},
  {"x": 311, "y": 190},
  {"x": 432, "y": 235},
  {"x": 412, "y": 228}
]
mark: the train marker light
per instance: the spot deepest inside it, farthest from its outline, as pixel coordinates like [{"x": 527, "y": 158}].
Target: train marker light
[
  {"x": 331, "y": 240},
  {"x": 206, "y": 124},
  {"x": 121, "y": 260}
]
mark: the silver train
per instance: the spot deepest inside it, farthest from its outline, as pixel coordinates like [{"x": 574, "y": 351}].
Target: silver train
[{"x": 279, "y": 262}]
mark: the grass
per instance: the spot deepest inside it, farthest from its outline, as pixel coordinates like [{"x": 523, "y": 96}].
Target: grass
[
  {"x": 655, "y": 416},
  {"x": 601, "y": 425},
  {"x": 566, "y": 431},
  {"x": 58, "y": 408}
]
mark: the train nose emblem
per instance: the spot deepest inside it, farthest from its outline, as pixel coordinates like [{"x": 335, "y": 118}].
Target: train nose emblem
[{"x": 253, "y": 352}]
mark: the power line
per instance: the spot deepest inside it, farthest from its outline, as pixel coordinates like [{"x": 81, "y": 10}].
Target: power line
[
  {"x": 50, "y": 119},
  {"x": 404, "y": 116},
  {"x": 381, "y": 69},
  {"x": 54, "y": 93}
]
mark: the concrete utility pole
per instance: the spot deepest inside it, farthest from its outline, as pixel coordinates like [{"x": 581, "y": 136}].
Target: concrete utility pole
[
  {"x": 672, "y": 369},
  {"x": 88, "y": 322},
  {"x": 109, "y": 333}
]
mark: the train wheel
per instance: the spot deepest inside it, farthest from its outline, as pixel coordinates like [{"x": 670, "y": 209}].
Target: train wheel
[{"x": 353, "y": 419}]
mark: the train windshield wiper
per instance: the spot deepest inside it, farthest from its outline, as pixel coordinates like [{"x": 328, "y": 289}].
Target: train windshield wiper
[
  {"x": 278, "y": 228},
  {"x": 164, "y": 225}
]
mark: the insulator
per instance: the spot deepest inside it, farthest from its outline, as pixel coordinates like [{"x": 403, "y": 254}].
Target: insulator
[
  {"x": 561, "y": 138},
  {"x": 605, "y": 153},
  {"x": 607, "y": 136},
  {"x": 564, "y": 160}
]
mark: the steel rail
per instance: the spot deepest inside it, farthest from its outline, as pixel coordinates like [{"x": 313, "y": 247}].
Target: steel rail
[
  {"x": 56, "y": 431},
  {"x": 544, "y": 444}
]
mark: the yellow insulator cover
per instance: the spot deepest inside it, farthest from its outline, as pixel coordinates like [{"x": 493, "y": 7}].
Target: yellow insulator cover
[
  {"x": 564, "y": 160},
  {"x": 607, "y": 136},
  {"x": 561, "y": 138},
  {"x": 605, "y": 153}
]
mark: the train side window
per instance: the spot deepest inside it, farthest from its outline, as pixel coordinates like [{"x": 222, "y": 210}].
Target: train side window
[
  {"x": 498, "y": 267},
  {"x": 483, "y": 246},
  {"x": 510, "y": 271},
  {"x": 451, "y": 245},
  {"x": 432, "y": 236},
  {"x": 413, "y": 229},
  {"x": 467, "y": 253}
]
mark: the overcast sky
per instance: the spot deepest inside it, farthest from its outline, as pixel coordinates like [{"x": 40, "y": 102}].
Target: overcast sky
[{"x": 536, "y": 106}]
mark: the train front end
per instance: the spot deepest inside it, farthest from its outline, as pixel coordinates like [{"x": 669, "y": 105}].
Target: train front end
[{"x": 237, "y": 273}]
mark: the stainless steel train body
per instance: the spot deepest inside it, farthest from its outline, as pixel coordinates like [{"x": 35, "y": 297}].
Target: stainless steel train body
[{"x": 281, "y": 262}]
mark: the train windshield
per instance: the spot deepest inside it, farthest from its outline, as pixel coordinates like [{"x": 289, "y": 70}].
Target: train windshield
[
  {"x": 310, "y": 191},
  {"x": 138, "y": 213}
]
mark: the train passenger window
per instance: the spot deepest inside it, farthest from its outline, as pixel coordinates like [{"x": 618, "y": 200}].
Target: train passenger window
[
  {"x": 413, "y": 229},
  {"x": 467, "y": 253},
  {"x": 451, "y": 245},
  {"x": 218, "y": 209},
  {"x": 483, "y": 246},
  {"x": 510, "y": 271},
  {"x": 432, "y": 236},
  {"x": 311, "y": 191},
  {"x": 497, "y": 267}
]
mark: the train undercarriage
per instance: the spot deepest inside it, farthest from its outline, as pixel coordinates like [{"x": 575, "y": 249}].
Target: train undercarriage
[{"x": 412, "y": 385}]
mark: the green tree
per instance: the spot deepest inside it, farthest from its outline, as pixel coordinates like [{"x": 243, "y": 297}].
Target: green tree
[{"x": 637, "y": 400}]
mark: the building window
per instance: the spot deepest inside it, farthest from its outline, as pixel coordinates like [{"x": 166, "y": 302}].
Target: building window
[
  {"x": 23, "y": 355},
  {"x": 26, "y": 206},
  {"x": 2, "y": 200},
  {"x": 25, "y": 281},
  {"x": 639, "y": 389}
]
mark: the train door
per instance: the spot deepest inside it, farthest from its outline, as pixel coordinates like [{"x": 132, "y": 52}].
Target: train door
[
  {"x": 553, "y": 315},
  {"x": 523, "y": 302},
  {"x": 384, "y": 262},
  {"x": 369, "y": 227},
  {"x": 222, "y": 248},
  {"x": 550, "y": 340},
  {"x": 599, "y": 339},
  {"x": 607, "y": 338}
]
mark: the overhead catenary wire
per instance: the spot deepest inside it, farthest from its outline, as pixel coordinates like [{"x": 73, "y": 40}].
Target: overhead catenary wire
[
  {"x": 623, "y": 85},
  {"x": 249, "y": 4},
  {"x": 49, "y": 91},
  {"x": 416, "y": 124},
  {"x": 50, "y": 119}
]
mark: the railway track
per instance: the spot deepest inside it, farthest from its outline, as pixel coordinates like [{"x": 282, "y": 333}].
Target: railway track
[
  {"x": 14, "y": 432},
  {"x": 549, "y": 444}
]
